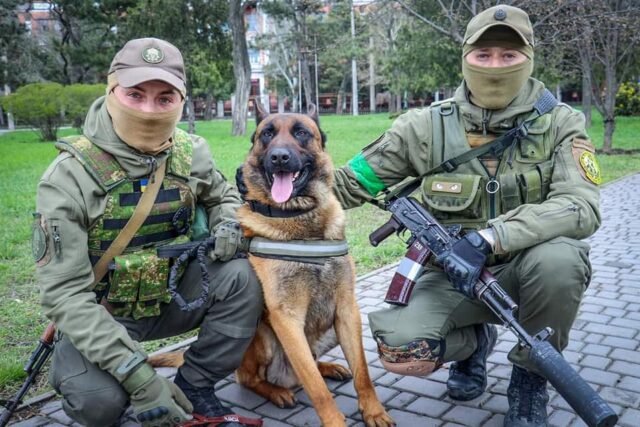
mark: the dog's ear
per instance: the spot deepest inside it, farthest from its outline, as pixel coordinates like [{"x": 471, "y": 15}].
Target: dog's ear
[
  {"x": 312, "y": 112},
  {"x": 261, "y": 113}
]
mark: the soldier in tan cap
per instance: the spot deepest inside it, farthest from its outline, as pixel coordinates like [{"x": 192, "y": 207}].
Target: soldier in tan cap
[
  {"x": 104, "y": 301},
  {"x": 524, "y": 204}
]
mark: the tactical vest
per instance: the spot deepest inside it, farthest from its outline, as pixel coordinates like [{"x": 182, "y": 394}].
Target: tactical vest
[
  {"x": 137, "y": 279},
  {"x": 470, "y": 196}
]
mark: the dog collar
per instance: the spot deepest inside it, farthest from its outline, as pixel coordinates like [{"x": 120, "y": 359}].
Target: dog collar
[{"x": 273, "y": 212}]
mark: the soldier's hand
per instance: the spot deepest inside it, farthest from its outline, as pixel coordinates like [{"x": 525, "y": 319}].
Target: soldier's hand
[
  {"x": 463, "y": 263},
  {"x": 156, "y": 401},
  {"x": 228, "y": 240}
]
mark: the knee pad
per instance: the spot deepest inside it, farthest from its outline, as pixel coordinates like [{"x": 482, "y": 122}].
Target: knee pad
[{"x": 417, "y": 358}]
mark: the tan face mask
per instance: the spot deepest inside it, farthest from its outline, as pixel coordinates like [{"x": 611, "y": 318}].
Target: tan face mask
[
  {"x": 494, "y": 88},
  {"x": 146, "y": 132}
]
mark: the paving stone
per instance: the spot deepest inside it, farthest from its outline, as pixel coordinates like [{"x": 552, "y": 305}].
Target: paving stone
[
  {"x": 271, "y": 410},
  {"x": 51, "y": 407},
  {"x": 307, "y": 417},
  {"x": 561, "y": 418},
  {"x": 403, "y": 418},
  {"x": 629, "y": 383},
  {"x": 596, "y": 349},
  {"x": 610, "y": 330},
  {"x": 422, "y": 386},
  {"x": 625, "y": 343},
  {"x": 401, "y": 400},
  {"x": 240, "y": 396},
  {"x": 630, "y": 418},
  {"x": 596, "y": 362},
  {"x": 430, "y": 407},
  {"x": 470, "y": 417},
  {"x": 497, "y": 403},
  {"x": 32, "y": 422},
  {"x": 620, "y": 397},
  {"x": 495, "y": 421},
  {"x": 61, "y": 417}
]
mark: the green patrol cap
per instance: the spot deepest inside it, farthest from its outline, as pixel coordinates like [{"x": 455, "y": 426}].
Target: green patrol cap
[
  {"x": 501, "y": 15},
  {"x": 141, "y": 60}
]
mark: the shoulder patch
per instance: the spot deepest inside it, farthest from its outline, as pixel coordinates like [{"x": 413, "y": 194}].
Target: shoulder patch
[{"x": 584, "y": 155}]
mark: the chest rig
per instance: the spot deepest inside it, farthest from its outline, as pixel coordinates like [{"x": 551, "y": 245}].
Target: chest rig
[
  {"x": 469, "y": 194},
  {"x": 136, "y": 284}
]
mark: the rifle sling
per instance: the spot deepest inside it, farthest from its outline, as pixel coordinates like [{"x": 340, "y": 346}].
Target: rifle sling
[{"x": 132, "y": 226}]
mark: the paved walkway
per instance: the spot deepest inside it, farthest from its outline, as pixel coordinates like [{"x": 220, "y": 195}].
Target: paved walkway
[{"x": 604, "y": 347}]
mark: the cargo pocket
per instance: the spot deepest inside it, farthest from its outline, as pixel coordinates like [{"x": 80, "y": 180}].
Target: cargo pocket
[
  {"x": 454, "y": 197},
  {"x": 510, "y": 196},
  {"x": 67, "y": 363},
  {"x": 123, "y": 289}
]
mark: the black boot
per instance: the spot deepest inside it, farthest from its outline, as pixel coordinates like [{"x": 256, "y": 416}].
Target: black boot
[
  {"x": 528, "y": 398},
  {"x": 468, "y": 378},
  {"x": 204, "y": 401}
]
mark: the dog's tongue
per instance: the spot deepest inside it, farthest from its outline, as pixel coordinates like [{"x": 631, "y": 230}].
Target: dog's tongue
[{"x": 282, "y": 186}]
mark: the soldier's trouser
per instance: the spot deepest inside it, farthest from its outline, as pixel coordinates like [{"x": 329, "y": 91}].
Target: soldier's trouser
[
  {"x": 547, "y": 281},
  {"x": 227, "y": 323}
]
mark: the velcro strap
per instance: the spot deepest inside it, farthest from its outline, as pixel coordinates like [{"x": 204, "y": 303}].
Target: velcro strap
[
  {"x": 545, "y": 103},
  {"x": 199, "y": 420},
  {"x": 299, "y": 248}
]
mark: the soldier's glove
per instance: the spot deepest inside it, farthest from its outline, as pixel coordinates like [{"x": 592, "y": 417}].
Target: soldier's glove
[
  {"x": 463, "y": 263},
  {"x": 242, "y": 187},
  {"x": 228, "y": 240},
  {"x": 156, "y": 401}
]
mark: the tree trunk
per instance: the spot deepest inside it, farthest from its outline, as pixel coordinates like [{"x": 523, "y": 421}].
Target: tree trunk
[
  {"x": 609, "y": 116},
  {"x": 372, "y": 77},
  {"x": 587, "y": 84},
  {"x": 208, "y": 107},
  {"x": 241, "y": 69},
  {"x": 341, "y": 93},
  {"x": 191, "y": 114}
]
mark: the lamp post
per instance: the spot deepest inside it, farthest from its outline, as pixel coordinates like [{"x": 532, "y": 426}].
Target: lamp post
[{"x": 354, "y": 68}]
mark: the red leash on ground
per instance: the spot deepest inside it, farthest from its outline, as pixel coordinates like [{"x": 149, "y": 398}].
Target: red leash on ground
[{"x": 199, "y": 420}]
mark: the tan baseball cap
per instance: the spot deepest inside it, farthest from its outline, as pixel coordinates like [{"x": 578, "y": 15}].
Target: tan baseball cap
[
  {"x": 141, "y": 60},
  {"x": 501, "y": 15}
]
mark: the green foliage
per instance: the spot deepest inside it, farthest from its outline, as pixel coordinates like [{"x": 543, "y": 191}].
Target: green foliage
[
  {"x": 79, "y": 98},
  {"x": 40, "y": 105},
  {"x": 628, "y": 99}
]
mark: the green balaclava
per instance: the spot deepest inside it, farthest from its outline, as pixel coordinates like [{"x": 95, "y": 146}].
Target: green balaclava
[{"x": 499, "y": 26}]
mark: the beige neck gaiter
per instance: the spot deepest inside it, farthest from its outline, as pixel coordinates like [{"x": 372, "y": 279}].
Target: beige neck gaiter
[
  {"x": 495, "y": 87},
  {"x": 148, "y": 133}
]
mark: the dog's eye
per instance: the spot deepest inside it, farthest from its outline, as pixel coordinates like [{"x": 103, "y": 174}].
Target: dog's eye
[
  {"x": 301, "y": 133},
  {"x": 267, "y": 134}
]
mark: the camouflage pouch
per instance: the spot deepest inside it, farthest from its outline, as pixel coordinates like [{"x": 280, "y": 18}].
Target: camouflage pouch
[{"x": 139, "y": 284}]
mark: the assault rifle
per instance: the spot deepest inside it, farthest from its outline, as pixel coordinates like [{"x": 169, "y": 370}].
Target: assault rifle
[
  {"x": 428, "y": 238},
  {"x": 32, "y": 368}
]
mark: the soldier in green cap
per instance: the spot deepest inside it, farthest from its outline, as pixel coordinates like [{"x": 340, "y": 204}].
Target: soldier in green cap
[
  {"x": 524, "y": 206},
  {"x": 85, "y": 200}
]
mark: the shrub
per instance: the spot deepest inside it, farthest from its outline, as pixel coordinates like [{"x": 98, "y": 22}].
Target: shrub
[
  {"x": 79, "y": 98},
  {"x": 628, "y": 99},
  {"x": 40, "y": 105}
]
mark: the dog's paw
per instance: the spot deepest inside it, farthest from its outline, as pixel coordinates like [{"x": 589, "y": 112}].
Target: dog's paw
[
  {"x": 283, "y": 397},
  {"x": 334, "y": 371},
  {"x": 374, "y": 415}
]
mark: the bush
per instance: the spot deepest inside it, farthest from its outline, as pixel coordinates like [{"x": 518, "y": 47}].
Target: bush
[
  {"x": 40, "y": 105},
  {"x": 628, "y": 99},
  {"x": 79, "y": 98}
]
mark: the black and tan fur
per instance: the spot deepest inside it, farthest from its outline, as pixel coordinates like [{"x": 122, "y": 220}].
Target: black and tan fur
[{"x": 303, "y": 301}]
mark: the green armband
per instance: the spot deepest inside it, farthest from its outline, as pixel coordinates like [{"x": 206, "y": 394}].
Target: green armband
[{"x": 365, "y": 175}]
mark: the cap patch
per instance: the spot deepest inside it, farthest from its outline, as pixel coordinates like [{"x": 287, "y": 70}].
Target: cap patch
[
  {"x": 152, "y": 55},
  {"x": 500, "y": 15}
]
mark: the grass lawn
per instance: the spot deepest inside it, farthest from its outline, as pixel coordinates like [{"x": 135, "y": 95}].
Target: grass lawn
[{"x": 23, "y": 159}]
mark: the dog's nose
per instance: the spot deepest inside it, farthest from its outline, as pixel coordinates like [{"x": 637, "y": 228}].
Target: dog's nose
[{"x": 279, "y": 156}]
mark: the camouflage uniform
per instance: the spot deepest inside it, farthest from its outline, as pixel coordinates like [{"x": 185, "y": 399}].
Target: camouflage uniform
[
  {"x": 71, "y": 231},
  {"x": 547, "y": 200}
]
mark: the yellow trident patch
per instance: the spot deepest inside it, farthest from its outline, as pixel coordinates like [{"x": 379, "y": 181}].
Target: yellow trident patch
[{"x": 590, "y": 166}]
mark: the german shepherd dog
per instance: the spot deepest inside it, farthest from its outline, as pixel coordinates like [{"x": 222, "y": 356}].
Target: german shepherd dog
[{"x": 288, "y": 170}]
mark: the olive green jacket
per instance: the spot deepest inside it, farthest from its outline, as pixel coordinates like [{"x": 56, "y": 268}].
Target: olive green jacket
[
  {"x": 569, "y": 209},
  {"x": 70, "y": 201}
]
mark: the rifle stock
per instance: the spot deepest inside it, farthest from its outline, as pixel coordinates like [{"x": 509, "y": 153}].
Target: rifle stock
[
  {"x": 408, "y": 213},
  {"x": 33, "y": 367}
]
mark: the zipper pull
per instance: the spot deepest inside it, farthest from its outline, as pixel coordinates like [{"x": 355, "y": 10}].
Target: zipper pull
[
  {"x": 485, "y": 121},
  {"x": 151, "y": 161},
  {"x": 57, "y": 241},
  {"x": 492, "y": 186}
]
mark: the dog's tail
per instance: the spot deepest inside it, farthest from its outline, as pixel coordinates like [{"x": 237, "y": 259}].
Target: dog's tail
[{"x": 173, "y": 359}]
